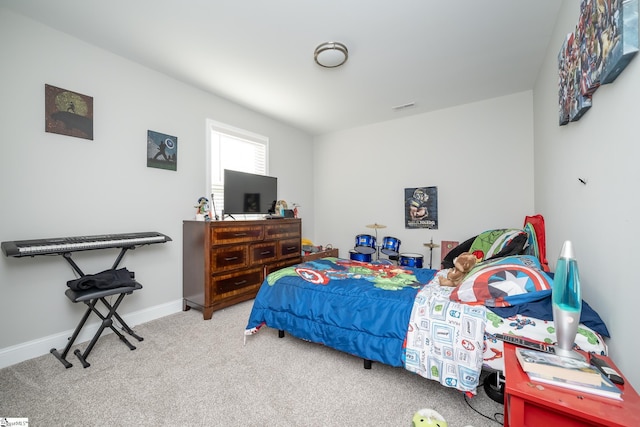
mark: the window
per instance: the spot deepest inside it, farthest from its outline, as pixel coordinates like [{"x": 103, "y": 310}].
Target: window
[{"x": 232, "y": 148}]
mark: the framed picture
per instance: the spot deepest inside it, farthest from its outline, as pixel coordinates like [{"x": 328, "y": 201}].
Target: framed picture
[
  {"x": 68, "y": 113},
  {"x": 575, "y": 100},
  {"x": 162, "y": 151},
  {"x": 564, "y": 71},
  {"x": 622, "y": 36},
  {"x": 603, "y": 43},
  {"x": 421, "y": 207}
]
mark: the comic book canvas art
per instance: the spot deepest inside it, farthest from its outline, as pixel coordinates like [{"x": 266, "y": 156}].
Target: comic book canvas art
[{"x": 603, "y": 43}]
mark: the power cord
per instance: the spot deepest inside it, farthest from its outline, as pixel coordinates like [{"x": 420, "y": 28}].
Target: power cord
[{"x": 496, "y": 415}]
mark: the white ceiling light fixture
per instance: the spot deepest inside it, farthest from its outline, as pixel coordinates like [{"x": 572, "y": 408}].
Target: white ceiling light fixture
[{"x": 331, "y": 54}]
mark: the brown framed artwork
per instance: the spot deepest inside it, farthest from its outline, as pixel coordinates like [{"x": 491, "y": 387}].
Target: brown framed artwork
[{"x": 68, "y": 113}]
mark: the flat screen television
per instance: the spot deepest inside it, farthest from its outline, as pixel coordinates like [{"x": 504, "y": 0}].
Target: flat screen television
[{"x": 248, "y": 193}]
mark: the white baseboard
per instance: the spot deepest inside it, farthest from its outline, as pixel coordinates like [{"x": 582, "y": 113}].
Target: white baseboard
[{"x": 35, "y": 348}]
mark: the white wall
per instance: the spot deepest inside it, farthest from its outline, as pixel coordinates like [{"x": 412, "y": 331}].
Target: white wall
[
  {"x": 480, "y": 156},
  {"x": 55, "y": 185},
  {"x": 601, "y": 217}
]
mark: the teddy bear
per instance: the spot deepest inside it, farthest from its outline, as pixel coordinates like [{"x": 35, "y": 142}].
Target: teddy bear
[{"x": 462, "y": 264}]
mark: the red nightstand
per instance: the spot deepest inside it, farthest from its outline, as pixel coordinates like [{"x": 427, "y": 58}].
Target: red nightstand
[{"x": 526, "y": 404}]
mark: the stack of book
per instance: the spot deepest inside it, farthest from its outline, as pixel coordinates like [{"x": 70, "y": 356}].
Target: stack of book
[{"x": 565, "y": 372}]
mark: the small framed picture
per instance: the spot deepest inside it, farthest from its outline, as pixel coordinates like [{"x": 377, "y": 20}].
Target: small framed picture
[
  {"x": 162, "y": 151},
  {"x": 421, "y": 207},
  {"x": 68, "y": 113}
]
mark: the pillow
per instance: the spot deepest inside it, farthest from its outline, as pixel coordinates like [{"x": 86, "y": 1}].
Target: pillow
[
  {"x": 499, "y": 243},
  {"x": 490, "y": 245},
  {"x": 504, "y": 282}
]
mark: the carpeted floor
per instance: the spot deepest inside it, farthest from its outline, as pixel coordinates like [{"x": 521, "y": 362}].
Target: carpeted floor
[{"x": 192, "y": 372}]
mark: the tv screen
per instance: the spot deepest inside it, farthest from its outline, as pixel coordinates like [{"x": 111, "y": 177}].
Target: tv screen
[{"x": 247, "y": 193}]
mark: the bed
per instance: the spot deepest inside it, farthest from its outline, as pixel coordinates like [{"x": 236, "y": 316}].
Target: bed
[{"x": 401, "y": 316}]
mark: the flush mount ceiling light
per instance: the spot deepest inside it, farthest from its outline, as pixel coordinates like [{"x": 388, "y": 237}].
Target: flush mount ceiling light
[{"x": 331, "y": 54}]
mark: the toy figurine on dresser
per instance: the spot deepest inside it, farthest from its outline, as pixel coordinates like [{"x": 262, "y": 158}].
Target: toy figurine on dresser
[{"x": 203, "y": 210}]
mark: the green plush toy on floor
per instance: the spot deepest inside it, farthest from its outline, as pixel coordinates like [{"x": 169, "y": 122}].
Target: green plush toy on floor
[{"x": 428, "y": 418}]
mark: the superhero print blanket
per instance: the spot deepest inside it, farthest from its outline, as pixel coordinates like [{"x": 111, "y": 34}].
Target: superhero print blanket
[{"x": 396, "y": 315}]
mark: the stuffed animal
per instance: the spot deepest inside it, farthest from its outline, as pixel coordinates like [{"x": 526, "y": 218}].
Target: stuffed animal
[
  {"x": 462, "y": 264},
  {"x": 428, "y": 418}
]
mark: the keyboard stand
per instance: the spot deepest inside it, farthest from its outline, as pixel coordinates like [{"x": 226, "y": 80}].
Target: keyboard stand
[{"x": 90, "y": 297}]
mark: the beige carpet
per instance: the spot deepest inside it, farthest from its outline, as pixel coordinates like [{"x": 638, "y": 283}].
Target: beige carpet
[{"x": 192, "y": 372}]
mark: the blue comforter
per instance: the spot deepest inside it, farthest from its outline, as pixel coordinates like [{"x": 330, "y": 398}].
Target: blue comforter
[
  {"x": 395, "y": 315},
  {"x": 328, "y": 302}
]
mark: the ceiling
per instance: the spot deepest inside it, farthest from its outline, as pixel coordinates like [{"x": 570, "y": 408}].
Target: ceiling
[{"x": 259, "y": 53}]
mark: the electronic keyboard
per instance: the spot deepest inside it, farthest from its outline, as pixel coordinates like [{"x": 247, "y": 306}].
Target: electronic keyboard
[{"x": 62, "y": 245}]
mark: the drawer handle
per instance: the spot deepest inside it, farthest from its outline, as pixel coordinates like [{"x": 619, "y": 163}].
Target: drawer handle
[
  {"x": 233, "y": 258},
  {"x": 292, "y": 248},
  {"x": 239, "y": 234},
  {"x": 265, "y": 253},
  {"x": 240, "y": 283}
]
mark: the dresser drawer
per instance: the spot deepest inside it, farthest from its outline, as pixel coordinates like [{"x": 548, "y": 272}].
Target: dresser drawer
[
  {"x": 228, "y": 285},
  {"x": 221, "y": 235},
  {"x": 282, "y": 229},
  {"x": 289, "y": 248},
  {"x": 229, "y": 258},
  {"x": 263, "y": 252}
]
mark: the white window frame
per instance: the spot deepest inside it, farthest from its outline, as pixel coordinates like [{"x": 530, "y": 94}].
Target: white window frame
[{"x": 212, "y": 128}]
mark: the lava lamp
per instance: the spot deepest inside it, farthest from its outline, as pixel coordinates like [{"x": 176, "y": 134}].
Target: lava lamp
[{"x": 567, "y": 302}]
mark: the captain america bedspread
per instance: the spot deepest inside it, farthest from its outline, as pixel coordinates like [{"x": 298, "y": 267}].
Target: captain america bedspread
[
  {"x": 355, "y": 307},
  {"x": 395, "y": 315},
  {"x": 364, "y": 309},
  {"x": 434, "y": 352}
]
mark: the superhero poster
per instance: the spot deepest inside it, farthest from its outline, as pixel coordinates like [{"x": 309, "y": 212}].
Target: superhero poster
[
  {"x": 162, "y": 151},
  {"x": 421, "y": 207}
]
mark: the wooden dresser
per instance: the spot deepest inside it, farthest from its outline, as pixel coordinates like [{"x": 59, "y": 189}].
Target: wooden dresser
[{"x": 225, "y": 262}]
